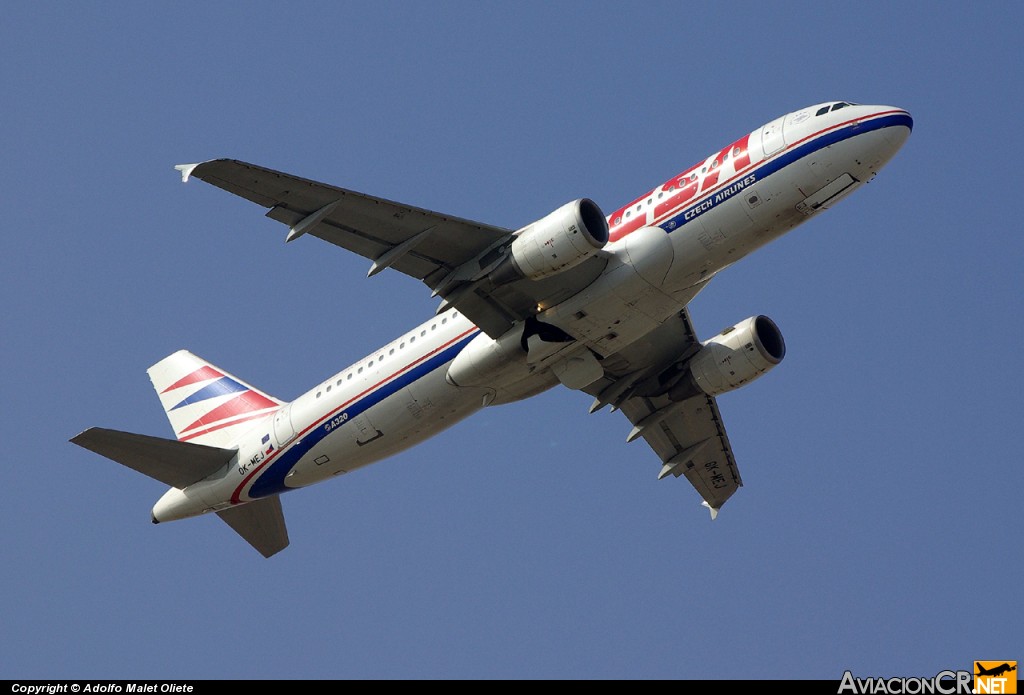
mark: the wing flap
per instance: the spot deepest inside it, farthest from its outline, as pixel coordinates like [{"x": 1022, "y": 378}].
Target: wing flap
[
  {"x": 361, "y": 223},
  {"x": 449, "y": 254},
  {"x": 691, "y": 441},
  {"x": 260, "y": 523},
  {"x": 178, "y": 464},
  {"x": 373, "y": 238},
  {"x": 689, "y": 436}
]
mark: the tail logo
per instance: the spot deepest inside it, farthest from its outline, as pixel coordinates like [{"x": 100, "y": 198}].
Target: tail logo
[{"x": 214, "y": 384}]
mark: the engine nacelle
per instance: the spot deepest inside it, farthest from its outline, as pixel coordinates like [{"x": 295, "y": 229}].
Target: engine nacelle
[
  {"x": 564, "y": 239},
  {"x": 731, "y": 359}
]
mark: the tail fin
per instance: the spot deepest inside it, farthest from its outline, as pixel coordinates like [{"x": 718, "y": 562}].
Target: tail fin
[{"x": 205, "y": 404}]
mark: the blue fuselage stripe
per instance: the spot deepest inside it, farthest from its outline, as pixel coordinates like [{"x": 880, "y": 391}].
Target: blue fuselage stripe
[
  {"x": 271, "y": 481},
  {"x": 780, "y": 162}
]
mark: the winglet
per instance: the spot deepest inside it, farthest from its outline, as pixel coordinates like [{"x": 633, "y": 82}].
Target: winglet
[
  {"x": 713, "y": 510},
  {"x": 186, "y": 170}
]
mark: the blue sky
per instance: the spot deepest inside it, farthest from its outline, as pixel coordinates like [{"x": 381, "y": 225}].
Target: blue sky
[{"x": 879, "y": 526}]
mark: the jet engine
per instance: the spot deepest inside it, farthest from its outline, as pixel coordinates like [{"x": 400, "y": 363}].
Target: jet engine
[
  {"x": 731, "y": 359},
  {"x": 564, "y": 239}
]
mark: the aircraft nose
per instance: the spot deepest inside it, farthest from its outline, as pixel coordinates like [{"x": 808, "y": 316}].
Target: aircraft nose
[{"x": 900, "y": 126}]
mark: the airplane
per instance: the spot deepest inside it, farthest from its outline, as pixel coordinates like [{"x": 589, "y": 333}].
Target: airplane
[
  {"x": 594, "y": 302},
  {"x": 996, "y": 671}
]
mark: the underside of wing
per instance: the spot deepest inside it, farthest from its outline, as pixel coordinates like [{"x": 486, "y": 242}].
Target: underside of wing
[
  {"x": 688, "y": 436},
  {"x": 690, "y": 440},
  {"x": 369, "y": 226},
  {"x": 451, "y": 255}
]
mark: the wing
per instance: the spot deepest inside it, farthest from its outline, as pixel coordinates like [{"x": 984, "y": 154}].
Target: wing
[
  {"x": 450, "y": 254},
  {"x": 688, "y": 436},
  {"x": 453, "y": 257},
  {"x": 690, "y": 440}
]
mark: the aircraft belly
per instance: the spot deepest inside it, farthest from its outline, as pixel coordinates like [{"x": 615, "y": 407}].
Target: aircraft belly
[
  {"x": 618, "y": 309},
  {"x": 400, "y": 421}
]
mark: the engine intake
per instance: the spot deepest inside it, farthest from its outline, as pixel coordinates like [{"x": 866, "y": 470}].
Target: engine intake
[
  {"x": 561, "y": 240},
  {"x": 731, "y": 359}
]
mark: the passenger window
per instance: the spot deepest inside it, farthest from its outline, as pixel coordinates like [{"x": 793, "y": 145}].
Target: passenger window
[
  {"x": 318, "y": 394},
  {"x": 360, "y": 370},
  {"x": 618, "y": 220},
  {"x": 412, "y": 339},
  {"x": 444, "y": 320},
  {"x": 736, "y": 152},
  {"x": 423, "y": 333},
  {"x": 369, "y": 365},
  {"x": 349, "y": 376},
  {"x": 628, "y": 213},
  {"x": 328, "y": 388}
]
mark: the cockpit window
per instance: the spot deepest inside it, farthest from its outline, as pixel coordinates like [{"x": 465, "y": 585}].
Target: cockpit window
[{"x": 832, "y": 107}]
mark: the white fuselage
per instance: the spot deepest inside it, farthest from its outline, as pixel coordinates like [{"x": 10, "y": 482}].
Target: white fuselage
[{"x": 664, "y": 247}]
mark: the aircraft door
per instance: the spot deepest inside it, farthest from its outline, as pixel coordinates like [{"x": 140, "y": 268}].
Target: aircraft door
[
  {"x": 283, "y": 430},
  {"x": 793, "y": 129},
  {"x": 771, "y": 136}
]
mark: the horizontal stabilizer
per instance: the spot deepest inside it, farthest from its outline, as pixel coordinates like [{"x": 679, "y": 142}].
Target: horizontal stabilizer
[
  {"x": 260, "y": 523},
  {"x": 178, "y": 464}
]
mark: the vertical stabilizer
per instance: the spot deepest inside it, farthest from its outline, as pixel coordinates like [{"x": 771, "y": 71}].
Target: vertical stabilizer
[{"x": 205, "y": 404}]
